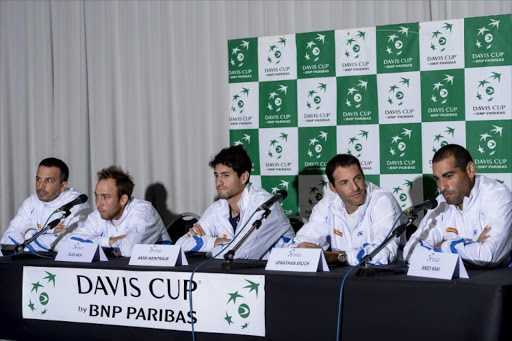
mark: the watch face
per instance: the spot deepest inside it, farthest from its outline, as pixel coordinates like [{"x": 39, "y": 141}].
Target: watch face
[{"x": 342, "y": 258}]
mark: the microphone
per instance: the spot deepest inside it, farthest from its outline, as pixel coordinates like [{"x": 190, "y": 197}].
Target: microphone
[
  {"x": 79, "y": 200},
  {"x": 426, "y": 205},
  {"x": 280, "y": 195}
]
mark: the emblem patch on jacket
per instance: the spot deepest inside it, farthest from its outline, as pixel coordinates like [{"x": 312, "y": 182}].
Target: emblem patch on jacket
[
  {"x": 338, "y": 233},
  {"x": 452, "y": 230}
]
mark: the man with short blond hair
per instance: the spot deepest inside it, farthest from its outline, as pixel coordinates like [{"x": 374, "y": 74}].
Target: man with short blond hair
[{"x": 121, "y": 221}]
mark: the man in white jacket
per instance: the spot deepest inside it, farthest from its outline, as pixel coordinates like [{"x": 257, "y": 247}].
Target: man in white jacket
[
  {"x": 120, "y": 221},
  {"x": 355, "y": 220},
  {"x": 234, "y": 213},
  {"x": 474, "y": 215},
  {"x": 40, "y": 209}
]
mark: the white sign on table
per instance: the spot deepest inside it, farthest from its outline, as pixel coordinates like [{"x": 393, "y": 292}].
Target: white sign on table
[
  {"x": 295, "y": 259},
  {"x": 158, "y": 255},
  {"x": 75, "y": 251},
  {"x": 428, "y": 263}
]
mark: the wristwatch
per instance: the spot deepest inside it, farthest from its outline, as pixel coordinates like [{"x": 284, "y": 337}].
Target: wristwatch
[{"x": 342, "y": 257}]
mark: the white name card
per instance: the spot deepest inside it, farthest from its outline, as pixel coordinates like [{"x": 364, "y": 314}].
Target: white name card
[
  {"x": 157, "y": 255},
  {"x": 1, "y": 254},
  {"x": 294, "y": 259},
  {"x": 75, "y": 251},
  {"x": 427, "y": 263}
]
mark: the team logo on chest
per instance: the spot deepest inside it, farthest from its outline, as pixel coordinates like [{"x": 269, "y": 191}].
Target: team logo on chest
[
  {"x": 338, "y": 233},
  {"x": 452, "y": 230}
]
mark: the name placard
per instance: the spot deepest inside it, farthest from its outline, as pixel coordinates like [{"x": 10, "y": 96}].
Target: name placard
[
  {"x": 428, "y": 263},
  {"x": 157, "y": 255},
  {"x": 75, "y": 251},
  {"x": 300, "y": 260}
]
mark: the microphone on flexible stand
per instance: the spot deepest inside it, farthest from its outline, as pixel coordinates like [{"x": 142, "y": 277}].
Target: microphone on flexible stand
[{"x": 230, "y": 255}]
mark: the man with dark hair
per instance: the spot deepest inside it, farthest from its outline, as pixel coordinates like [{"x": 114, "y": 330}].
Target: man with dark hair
[
  {"x": 474, "y": 215},
  {"x": 121, "y": 221},
  {"x": 234, "y": 210},
  {"x": 39, "y": 209},
  {"x": 355, "y": 220}
]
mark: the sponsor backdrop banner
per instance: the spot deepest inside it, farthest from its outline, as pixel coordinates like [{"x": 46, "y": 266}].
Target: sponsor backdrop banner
[
  {"x": 391, "y": 95},
  {"x": 222, "y": 303}
]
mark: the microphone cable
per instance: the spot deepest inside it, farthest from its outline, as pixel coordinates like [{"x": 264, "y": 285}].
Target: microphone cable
[
  {"x": 340, "y": 305},
  {"x": 223, "y": 248}
]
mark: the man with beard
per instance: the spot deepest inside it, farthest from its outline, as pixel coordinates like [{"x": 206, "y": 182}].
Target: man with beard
[
  {"x": 121, "y": 221},
  {"x": 40, "y": 208},
  {"x": 355, "y": 220},
  {"x": 234, "y": 211},
  {"x": 474, "y": 215}
]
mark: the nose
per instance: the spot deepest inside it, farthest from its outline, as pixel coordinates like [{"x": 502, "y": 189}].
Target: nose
[
  {"x": 40, "y": 185},
  {"x": 442, "y": 185},
  {"x": 354, "y": 186},
  {"x": 218, "y": 181}
]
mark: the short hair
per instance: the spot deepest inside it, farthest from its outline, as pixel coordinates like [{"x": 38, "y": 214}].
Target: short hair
[
  {"x": 124, "y": 181},
  {"x": 54, "y": 162},
  {"x": 459, "y": 153},
  {"x": 235, "y": 157},
  {"x": 340, "y": 160}
]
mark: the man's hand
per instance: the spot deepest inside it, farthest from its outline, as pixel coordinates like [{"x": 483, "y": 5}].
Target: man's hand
[
  {"x": 59, "y": 228},
  {"x": 307, "y": 245},
  {"x": 195, "y": 230},
  {"x": 112, "y": 240},
  {"x": 221, "y": 241},
  {"x": 484, "y": 235},
  {"x": 438, "y": 245}
]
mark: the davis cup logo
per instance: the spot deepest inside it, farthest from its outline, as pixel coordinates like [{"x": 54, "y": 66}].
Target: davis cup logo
[
  {"x": 274, "y": 52},
  {"x": 314, "y": 99},
  {"x": 276, "y": 146},
  {"x": 395, "y": 43},
  {"x": 314, "y": 48},
  {"x": 246, "y": 138},
  {"x": 238, "y": 54},
  {"x": 488, "y": 144},
  {"x": 315, "y": 145},
  {"x": 355, "y": 94},
  {"x": 238, "y": 306},
  {"x": 401, "y": 194},
  {"x": 355, "y": 145},
  {"x": 315, "y": 192},
  {"x": 439, "y": 39},
  {"x": 486, "y": 87},
  {"x": 399, "y": 143},
  {"x": 396, "y": 92},
  {"x": 39, "y": 297},
  {"x": 275, "y": 99},
  {"x": 440, "y": 139},
  {"x": 440, "y": 90},
  {"x": 485, "y": 37},
  {"x": 353, "y": 46},
  {"x": 238, "y": 103},
  {"x": 284, "y": 185}
]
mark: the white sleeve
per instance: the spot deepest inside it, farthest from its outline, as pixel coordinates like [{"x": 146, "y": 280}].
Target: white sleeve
[
  {"x": 144, "y": 227},
  {"x": 19, "y": 226},
  {"x": 316, "y": 230},
  {"x": 90, "y": 231},
  {"x": 427, "y": 235},
  {"x": 205, "y": 243},
  {"x": 382, "y": 217},
  {"x": 496, "y": 213}
]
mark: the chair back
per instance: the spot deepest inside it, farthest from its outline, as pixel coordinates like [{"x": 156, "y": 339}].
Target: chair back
[{"x": 181, "y": 224}]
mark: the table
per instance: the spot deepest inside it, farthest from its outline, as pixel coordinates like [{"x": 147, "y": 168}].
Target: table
[{"x": 304, "y": 306}]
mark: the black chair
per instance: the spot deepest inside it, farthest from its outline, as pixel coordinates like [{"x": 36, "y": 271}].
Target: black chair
[
  {"x": 181, "y": 224},
  {"x": 297, "y": 222}
]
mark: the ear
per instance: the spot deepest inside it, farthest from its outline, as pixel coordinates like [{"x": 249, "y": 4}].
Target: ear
[
  {"x": 63, "y": 186},
  {"x": 331, "y": 187},
  {"x": 471, "y": 170},
  {"x": 245, "y": 177},
  {"x": 124, "y": 200}
]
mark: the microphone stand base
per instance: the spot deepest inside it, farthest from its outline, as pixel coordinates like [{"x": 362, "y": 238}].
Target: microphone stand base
[{"x": 381, "y": 270}]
